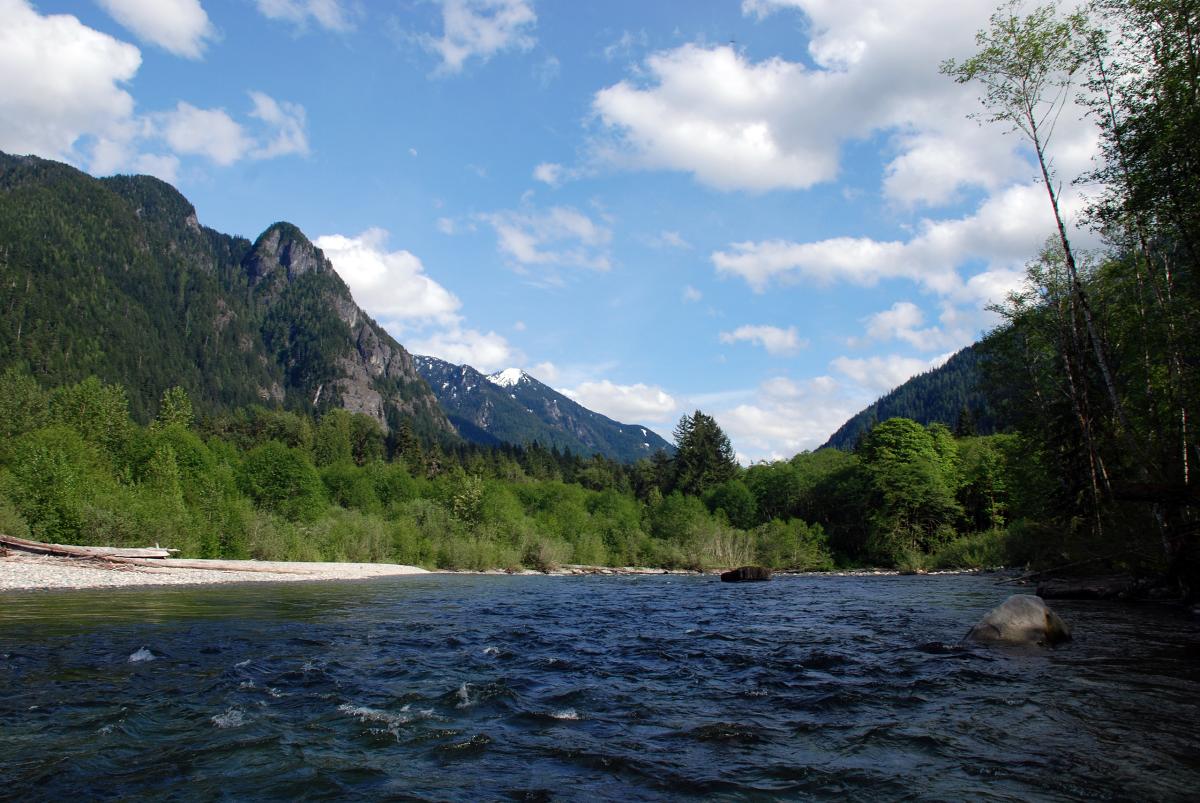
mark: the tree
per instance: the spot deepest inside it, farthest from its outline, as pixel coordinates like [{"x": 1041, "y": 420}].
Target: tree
[
  {"x": 705, "y": 457},
  {"x": 736, "y": 501},
  {"x": 913, "y": 483},
  {"x": 1026, "y": 65},
  {"x": 283, "y": 480},
  {"x": 98, "y": 412},
  {"x": 174, "y": 410},
  {"x": 23, "y": 404}
]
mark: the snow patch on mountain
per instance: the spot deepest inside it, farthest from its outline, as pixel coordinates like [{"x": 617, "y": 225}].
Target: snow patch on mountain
[{"x": 507, "y": 378}]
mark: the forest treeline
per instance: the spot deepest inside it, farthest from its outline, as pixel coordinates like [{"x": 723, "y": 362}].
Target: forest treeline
[
  {"x": 280, "y": 485},
  {"x": 1096, "y": 362}
]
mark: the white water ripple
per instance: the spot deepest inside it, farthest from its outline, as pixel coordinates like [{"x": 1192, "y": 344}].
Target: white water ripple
[
  {"x": 231, "y": 718},
  {"x": 140, "y": 656}
]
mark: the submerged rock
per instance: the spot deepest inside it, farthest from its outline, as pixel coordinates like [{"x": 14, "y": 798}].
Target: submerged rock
[
  {"x": 746, "y": 574},
  {"x": 1021, "y": 619}
]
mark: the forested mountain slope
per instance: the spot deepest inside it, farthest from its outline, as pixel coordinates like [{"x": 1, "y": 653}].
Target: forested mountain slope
[
  {"x": 940, "y": 395},
  {"x": 115, "y": 277},
  {"x": 514, "y": 407}
]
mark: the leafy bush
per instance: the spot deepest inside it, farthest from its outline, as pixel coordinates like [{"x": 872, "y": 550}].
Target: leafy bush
[
  {"x": 794, "y": 545},
  {"x": 986, "y": 550},
  {"x": 283, "y": 480}
]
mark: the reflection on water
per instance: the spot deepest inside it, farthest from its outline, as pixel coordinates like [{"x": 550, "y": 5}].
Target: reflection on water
[{"x": 572, "y": 688}]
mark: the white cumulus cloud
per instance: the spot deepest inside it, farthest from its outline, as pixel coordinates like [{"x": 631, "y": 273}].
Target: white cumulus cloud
[
  {"x": 177, "y": 26},
  {"x": 774, "y": 339},
  {"x": 63, "y": 82},
  {"x": 711, "y": 113},
  {"x": 1003, "y": 232},
  {"x": 904, "y": 321},
  {"x": 786, "y": 416},
  {"x": 549, "y": 173},
  {"x": 485, "y": 352},
  {"x": 881, "y": 374},
  {"x": 481, "y": 29},
  {"x": 638, "y": 403},
  {"x": 285, "y": 120},
  {"x": 217, "y": 136},
  {"x": 390, "y": 285},
  {"x": 739, "y": 124},
  {"x": 211, "y": 133}
]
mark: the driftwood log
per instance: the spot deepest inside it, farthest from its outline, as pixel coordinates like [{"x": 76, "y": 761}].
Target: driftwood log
[
  {"x": 149, "y": 557},
  {"x": 211, "y": 565},
  {"x": 69, "y": 550}
]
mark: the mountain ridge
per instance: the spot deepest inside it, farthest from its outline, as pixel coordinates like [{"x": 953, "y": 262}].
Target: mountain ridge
[
  {"x": 515, "y": 407},
  {"x": 116, "y": 277},
  {"x": 938, "y": 395}
]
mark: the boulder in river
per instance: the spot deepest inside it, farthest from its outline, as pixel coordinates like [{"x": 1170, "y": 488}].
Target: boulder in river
[
  {"x": 1021, "y": 619},
  {"x": 746, "y": 574}
]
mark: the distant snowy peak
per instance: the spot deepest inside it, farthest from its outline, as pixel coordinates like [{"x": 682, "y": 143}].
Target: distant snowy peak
[{"x": 508, "y": 377}]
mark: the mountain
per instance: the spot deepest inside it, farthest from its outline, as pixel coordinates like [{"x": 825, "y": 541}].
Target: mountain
[
  {"x": 116, "y": 277},
  {"x": 511, "y": 406},
  {"x": 940, "y": 394}
]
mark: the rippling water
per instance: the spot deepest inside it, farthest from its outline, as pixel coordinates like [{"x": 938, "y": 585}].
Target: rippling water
[{"x": 630, "y": 688}]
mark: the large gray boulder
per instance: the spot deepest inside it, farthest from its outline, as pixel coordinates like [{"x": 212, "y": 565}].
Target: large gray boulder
[{"x": 1021, "y": 619}]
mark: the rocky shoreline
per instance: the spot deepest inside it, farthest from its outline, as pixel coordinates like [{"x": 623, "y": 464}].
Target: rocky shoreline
[
  {"x": 28, "y": 572},
  {"x": 25, "y": 572}
]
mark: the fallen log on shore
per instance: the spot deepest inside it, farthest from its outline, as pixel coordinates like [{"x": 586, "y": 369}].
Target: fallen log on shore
[
  {"x": 72, "y": 551},
  {"x": 144, "y": 557},
  {"x": 209, "y": 565}
]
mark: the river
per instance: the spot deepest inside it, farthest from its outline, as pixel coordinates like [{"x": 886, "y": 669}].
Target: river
[{"x": 589, "y": 688}]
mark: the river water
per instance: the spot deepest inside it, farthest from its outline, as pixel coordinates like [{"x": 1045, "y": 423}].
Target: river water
[{"x": 588, "y": 688}]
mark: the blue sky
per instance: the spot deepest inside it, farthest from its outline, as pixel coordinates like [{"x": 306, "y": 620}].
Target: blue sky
[{"x": 771, "y": 210}]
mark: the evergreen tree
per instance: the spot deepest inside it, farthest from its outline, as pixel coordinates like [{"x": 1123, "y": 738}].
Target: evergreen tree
[{"x": 705, "y": 457}]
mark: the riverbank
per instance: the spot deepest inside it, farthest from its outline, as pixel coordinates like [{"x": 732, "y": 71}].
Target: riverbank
[
  {"x": 25, "y": 572},
  {"x": 28, "y": 572}
]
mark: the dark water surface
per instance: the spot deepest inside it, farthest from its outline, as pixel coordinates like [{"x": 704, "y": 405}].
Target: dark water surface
[{"x": 580, "y": 688}]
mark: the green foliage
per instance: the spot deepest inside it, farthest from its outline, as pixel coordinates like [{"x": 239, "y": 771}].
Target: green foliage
[
  {"x": 24, "y": 406},
  {"x": 51, "y": 469},
  {"x": 793, "y": 545},
  {"x": 776, "y": 488},
  {"x": 983, "y": 550},
  {"x": 331, "y": 443},
  {"x": 175, "y": 410},
  {"x": 735, "y": 501},
  {"x": 100, "y": 478},
  {"x": 704, "y": 457},
  {"x": 351, "y": 487},
  {"x": 283, "y": 480},
  {"x": 912, "y": 474},
  {"x": 11, "y": 522},
  {"x": 97, "y": 411}
]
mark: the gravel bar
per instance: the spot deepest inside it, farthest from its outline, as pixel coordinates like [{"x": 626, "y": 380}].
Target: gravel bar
[{"x": 24, "y": 572}]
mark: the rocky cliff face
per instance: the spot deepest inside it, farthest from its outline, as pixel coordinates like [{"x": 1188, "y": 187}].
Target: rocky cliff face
[{"x": 371, "y": 372}]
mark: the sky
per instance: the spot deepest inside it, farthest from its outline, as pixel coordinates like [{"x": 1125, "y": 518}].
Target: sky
[{"x": 773, "y": 211}]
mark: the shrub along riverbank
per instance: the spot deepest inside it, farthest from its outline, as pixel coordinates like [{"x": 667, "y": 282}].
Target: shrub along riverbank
[{"x": 276, "y": 485}]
